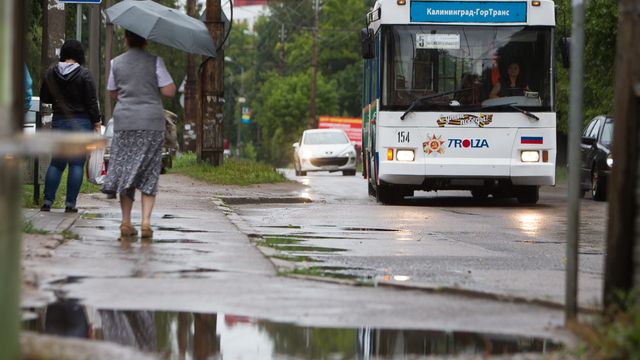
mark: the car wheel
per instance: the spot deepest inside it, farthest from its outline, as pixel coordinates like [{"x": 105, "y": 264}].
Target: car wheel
[
  {"x": 479, "y": 194},
  {"x": 303, "y": 173},
  {"x": 598, "y": 187},
  {"x": 348, "y": 172},
  {"x": 528, "y": 194}
]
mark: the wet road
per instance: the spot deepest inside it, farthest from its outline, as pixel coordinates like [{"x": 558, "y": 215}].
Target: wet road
[{"x": 443, "y": 238}]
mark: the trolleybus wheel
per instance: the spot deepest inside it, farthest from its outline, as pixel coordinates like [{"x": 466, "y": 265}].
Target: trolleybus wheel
[
  {"x": 387, "y": 195},
  {"x": 528, "y": 194},
  {"x": 479, "y": 194}
]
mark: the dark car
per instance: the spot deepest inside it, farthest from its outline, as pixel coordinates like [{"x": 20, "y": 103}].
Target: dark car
[
  {"x": 108, "y": 133},
  {"x": 595, "y": 157}
]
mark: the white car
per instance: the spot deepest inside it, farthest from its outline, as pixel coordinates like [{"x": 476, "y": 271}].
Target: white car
[{"x": 324, "y": 150}]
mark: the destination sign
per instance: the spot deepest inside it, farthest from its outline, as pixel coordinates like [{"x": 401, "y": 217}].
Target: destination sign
[{"x": 468, "y": 12}]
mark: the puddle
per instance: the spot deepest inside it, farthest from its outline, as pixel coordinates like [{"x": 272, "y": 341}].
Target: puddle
[
  {"x": 116, "y": 227},
  {"x": 292, "y": 244},
  {"x": 181, "y": 335},
  {"x": 343, "y": 228},
  {"x": 133, "y": 215}
]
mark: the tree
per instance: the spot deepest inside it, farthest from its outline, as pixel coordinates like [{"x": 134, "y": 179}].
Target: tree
[{"x": 285, "y": 109}]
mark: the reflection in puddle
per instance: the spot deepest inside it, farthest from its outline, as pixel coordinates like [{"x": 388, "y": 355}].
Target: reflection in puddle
[
  {"x": 180, "y": 335},
  {"x": 344, "y": 228},
  {"x": 116, "y": 227},
  {"x": 118, "y": 216},
  {"x": 530, "y": 223}
]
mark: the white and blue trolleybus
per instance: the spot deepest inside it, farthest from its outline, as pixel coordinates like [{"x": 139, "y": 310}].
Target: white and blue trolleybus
[{"x": 459, "y": 95}]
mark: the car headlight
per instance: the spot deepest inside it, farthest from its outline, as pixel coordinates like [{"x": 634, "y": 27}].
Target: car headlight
[
  {"x": 530, "y": 156},
  {"x": 307, "y": 154},
  {"x": 610, "y": 160},
  {"x": 349, "y": 154}
]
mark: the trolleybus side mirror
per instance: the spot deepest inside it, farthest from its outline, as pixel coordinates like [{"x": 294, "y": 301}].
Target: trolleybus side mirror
[{"x": 366, "y": 39}]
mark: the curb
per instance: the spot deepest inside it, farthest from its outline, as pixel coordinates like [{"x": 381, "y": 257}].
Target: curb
[
  {"x": 68, "y": 222},
  {"x": 282, "y": 265}
]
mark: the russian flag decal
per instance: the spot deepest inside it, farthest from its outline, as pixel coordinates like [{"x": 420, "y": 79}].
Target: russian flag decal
[{"x": 531, "y": 140}]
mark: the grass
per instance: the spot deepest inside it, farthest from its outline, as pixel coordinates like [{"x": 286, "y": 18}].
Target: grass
[
  {"x": 561, "y": 175},
  {"x": 614, "y": 334},
  {"x": 27, "y": 192},
  {"x": 232, "y": 172},
  {"x": 27, "y": 227}
]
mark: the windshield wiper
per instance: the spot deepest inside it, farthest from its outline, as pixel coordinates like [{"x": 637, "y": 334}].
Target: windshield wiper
[
  {"x": 511, "y": 105},
  {"x": 419, "y": 100}
]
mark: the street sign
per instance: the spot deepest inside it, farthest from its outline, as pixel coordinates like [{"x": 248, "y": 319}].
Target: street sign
[
  {"x": 246, "y": 115},
  {"x": 80, "y": 1}
]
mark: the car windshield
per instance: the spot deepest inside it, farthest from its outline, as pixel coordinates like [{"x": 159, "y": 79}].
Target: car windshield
[
  {"x": 329, "y": 137},
  {"x": 419, "y": 60},
  {"x": 607, "y": 133}
]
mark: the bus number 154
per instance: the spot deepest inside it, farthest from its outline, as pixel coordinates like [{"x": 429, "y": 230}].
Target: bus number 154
[{"x": 403, "y": 136}]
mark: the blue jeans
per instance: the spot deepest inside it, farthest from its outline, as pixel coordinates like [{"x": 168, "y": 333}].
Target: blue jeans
[{"x": 76, "y": 165}]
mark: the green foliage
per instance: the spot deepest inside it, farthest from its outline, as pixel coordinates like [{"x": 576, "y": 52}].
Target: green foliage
[
  {"x": 285, "y": 112},
  {"x": 69, "y": 235},
  {"x": 601, "y": 25},
  {"x": 616, "y": 334},
  {"x": 27, "y": 227},
  {"x": 232, "y": 172}
]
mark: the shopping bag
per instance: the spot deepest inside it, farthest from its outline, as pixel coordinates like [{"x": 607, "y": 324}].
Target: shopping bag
[
  {"x": 96, "y": 172},
  {"x": 171, "y": 133}
]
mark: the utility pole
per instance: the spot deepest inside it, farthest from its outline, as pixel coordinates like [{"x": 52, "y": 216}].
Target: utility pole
[
  {"x": 94, "y": 44},
  {"x": 53, "y": 30},
  {"x": 209, "y": 141},
  {"x": 12, "y": 50},
  {"x": 190, "y": 96},
  {"x": 311, "y": 124},
  {"x": 622, "y": 232},
  {"x": 108, "y": 55}
]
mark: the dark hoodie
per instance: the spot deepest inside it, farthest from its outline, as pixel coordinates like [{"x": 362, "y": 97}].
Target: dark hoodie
[{"x": 77, "y": 92}]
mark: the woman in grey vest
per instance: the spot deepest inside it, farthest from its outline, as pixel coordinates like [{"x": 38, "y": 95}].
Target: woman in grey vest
[{"x": 137, "y": 79}]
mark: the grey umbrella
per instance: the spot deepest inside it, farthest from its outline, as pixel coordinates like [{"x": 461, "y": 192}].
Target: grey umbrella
[{"x": 161, "y": 24}]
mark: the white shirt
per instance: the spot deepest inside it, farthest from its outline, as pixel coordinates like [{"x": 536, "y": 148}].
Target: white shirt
[{"x": 162, "y": 74}]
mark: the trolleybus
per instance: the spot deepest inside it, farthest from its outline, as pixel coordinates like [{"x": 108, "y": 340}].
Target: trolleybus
[{"x": 459, "y": 95}]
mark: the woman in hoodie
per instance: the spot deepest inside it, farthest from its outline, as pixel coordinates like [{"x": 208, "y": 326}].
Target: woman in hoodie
[{"x": 69, "y": 87}]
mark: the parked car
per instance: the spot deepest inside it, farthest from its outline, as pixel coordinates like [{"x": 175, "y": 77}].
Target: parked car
[
  {"x": 29, "y": 125},
  {"x": 596, "y": 160},
  {"x": 324, "y": 150},
  {"x": 108, "y": 133}
]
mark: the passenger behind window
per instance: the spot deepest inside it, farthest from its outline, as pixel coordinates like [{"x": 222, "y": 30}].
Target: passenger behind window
[{"x": 470, "y": 97}]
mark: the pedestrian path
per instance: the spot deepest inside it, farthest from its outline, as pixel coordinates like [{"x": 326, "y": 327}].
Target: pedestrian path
[{"x": 54, "y": 221}]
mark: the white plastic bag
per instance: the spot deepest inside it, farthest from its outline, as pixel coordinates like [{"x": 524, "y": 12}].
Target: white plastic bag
[{"x": 96, "y": 171}]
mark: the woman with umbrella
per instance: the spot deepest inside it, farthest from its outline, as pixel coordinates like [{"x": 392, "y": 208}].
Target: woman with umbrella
[{"x": 137, "y": 80}]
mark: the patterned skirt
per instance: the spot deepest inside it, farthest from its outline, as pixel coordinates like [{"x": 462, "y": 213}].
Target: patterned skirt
[{"x": 135, "y": 163}]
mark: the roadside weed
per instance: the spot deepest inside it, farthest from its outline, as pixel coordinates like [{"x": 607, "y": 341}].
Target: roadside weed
[
  {"x": 615, "y": 334},
  {"x": 69, "y": 235},
  {"x": 231, "y": 172},
  {"x": 27, "y": 227}
]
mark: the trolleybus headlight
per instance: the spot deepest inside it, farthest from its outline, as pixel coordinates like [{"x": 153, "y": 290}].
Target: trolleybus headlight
[
  {"x": 530, "y": 156},
  {"x": 405, "y": 155},
  {"x": 610, "y": 160}
]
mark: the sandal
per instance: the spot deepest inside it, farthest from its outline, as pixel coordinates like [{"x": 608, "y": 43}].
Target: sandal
[
  {"x": 126, "y": 229},
  {"x": 145, "y": 231}
]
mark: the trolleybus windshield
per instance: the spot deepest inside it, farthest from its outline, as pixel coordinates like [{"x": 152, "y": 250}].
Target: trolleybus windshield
[{"x": 468, "y": 61}]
